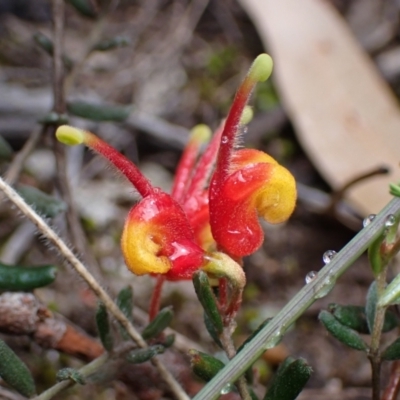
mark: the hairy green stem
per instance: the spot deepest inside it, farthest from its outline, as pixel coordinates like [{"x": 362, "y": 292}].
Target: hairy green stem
[{"x": 268, "y": 336}]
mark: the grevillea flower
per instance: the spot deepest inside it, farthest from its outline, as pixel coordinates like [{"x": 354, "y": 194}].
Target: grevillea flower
[{"x": 212, "y": 212}]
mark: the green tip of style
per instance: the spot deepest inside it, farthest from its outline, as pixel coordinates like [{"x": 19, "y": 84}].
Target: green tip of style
[
  {"x": 247, "y": 115},
  {"x": 69, "y": 135},
  {"x": 261, "y": 68},
  {"x": 200, "y": 133}
]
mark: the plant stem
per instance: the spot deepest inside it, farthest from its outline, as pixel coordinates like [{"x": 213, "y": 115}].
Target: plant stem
[
  {"x": 85, "y": 371},
  {"x": 227, "y": 344},
  {"x": 374, "y": 353},
  {"x": 19, "y": 202},
  {"x": 296, "y": 307}
]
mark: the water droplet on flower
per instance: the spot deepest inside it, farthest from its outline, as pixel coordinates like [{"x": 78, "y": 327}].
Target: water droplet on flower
[
  {"x": 390, "y": 220},
  {"x": 328, "y": 256},
  {"x": 311, "y": 276},
  {"x": 224, "y": 139},
  {"x": 227, "y": 388},
  {"x": 368, "y": 220}
]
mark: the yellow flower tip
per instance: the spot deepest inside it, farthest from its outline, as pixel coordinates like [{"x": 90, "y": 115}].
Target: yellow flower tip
[
  {"x": 69, "y": 135},
  {"x": 277, "y": 200},
  {"x": 140, "y": 251},
  {"x": 200, "y": 133},
  {"x": 247, "y": 115},
  {"x": 261, "y": 68}
]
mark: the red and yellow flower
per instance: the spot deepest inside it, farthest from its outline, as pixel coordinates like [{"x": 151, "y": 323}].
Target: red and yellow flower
[{"x": 215, "y": 202}]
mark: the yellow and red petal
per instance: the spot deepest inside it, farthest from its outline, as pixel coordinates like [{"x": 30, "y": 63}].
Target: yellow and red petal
[
  {"x": 157, "y": 239},
  {"x": 258, "y": 189}
]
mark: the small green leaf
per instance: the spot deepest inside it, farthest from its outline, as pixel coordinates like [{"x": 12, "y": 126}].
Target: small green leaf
[
  {"x": 125, "y": 304},
  {"x": 211, "y": 330},
  {"x": 391, "y": 321},
  {"x": 53, "y": 118},
  {"x": 289, "y": 380},
  {"x": 392, "y": 352},
  {"x": 204, "y": 365},
  {"x": 110, "y": 44},
  {"x": 43, "y": 203},
  {"x": 72, "y": 374},
  {"x": 15, "y": 372},
  {"x": 207, "y": 299},
  {"x": 159, "y": 323},
  {"x": 16, "y": 278},
  {"x": 103, "y": 327},
  {"x": 6, "y": 151},
  {"x": 347, "y": 336},
  {"x": 375, "y": 255},
  {"x": 168, "y": 341},
  {"x": 84, "y": 7},
  {"x": 139, "y": 356},
  {"x": 44, "y": 42},
  {"x": 354, "y": 317},
  {"x": 351, "y": 316},
  {"x": 370, "y": 305},
  {"x": 98, "y": 112},
  {"x": 394, "y": 189},
  {"x": 125, "y": 301}
]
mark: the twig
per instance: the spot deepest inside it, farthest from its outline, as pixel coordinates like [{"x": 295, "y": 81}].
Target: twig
[
  {"x": 15, "y": 168},
  {"x": 78, "y": 237},
  {"x": 19, "y": 202},
  {"x": 85, "y": 371}
]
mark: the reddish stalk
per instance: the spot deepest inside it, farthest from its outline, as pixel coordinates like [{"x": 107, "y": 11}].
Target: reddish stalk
[
  {"x": 156, "y": 297},
  {"x": 125, "y": 166},
  {"x": 184, "y": 170},
  {"x": 204, "y": 166}
]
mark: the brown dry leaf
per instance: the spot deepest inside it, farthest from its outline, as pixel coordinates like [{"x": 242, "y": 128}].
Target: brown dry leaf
[{"x": 345, "y": 115}]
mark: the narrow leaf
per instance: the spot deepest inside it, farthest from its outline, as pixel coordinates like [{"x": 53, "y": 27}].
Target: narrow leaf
[
  {"x": 204, "y": 365},
  {"x": 15, "y": 372},
  {"x": 354, "y": 317},
  {"x": 103, "y": 327},
  {"x": 139, "y": 356},
  {"x": 351, "y": 316},
  {"x": 44, "y": 204},
  {"x": 84, "y": 7},
  {"x": 375, "y": 255},
  {"x": 211, "y": 330},
  {"x": 24, "y": 279},
  {"x": 70, "y": 374},
  {"x": 6, "y": 150},
  {"x": 370, "y": 305},
  {"x": 98, "y": 112},
  {"x": 159, "y": 323},
  {"x": 125, "y": 304},
  {"x": 347, "y": 336},
  {"x": 110, "y": 44},
  {"x": 289, "y": 380},
  {"x": 207, "y": 299},
  {"x": 392, "y": 352},
  {"x": 125, "y": 301}
]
